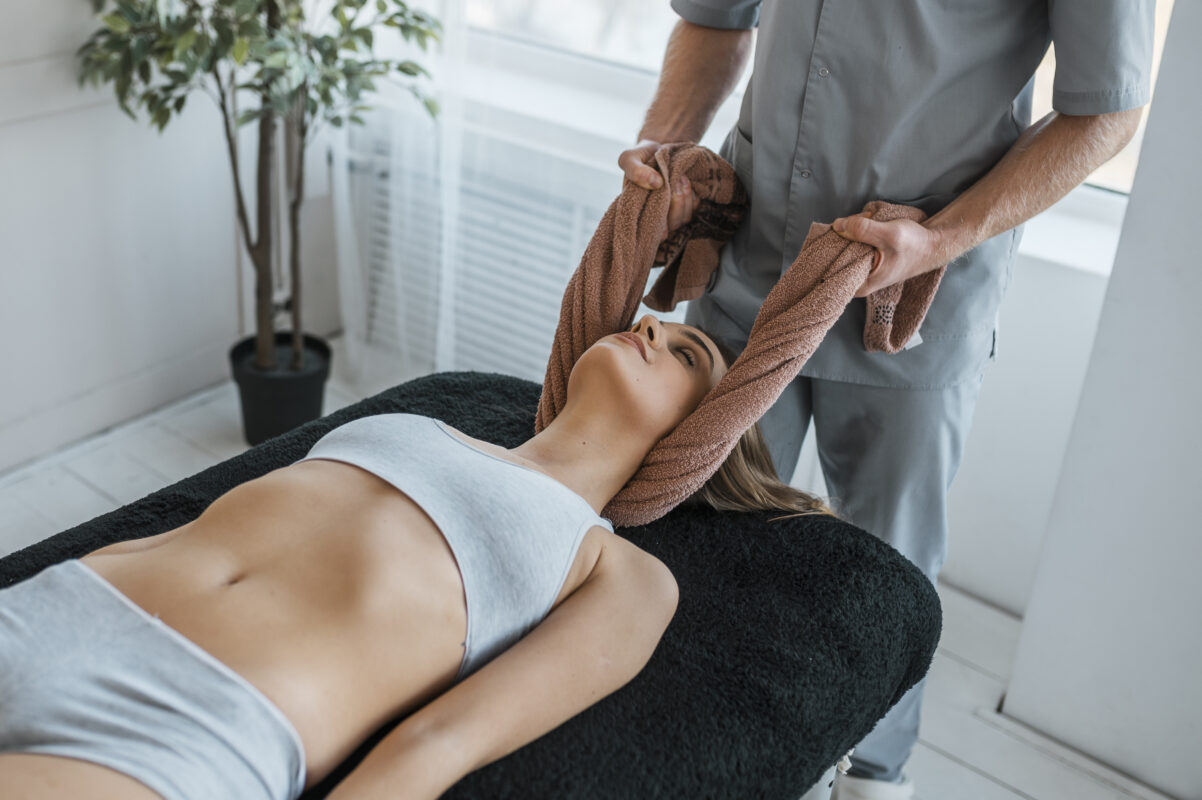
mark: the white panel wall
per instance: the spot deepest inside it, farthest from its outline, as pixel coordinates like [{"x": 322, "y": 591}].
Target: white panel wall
[
  {"x": 1000, "y": 499},
  {"x": 1109, "y": 653},
  {"x": 118, "y": 259}
]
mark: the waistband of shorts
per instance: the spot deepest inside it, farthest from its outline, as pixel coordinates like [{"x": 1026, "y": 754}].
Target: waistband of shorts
[{"x": 205, "y": 656}]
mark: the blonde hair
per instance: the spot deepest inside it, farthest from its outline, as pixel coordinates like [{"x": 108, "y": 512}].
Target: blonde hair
[{"x": 747, "y": 479}]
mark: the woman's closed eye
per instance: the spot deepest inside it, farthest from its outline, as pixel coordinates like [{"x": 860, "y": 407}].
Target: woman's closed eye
[{"x": 689, "y": 354}]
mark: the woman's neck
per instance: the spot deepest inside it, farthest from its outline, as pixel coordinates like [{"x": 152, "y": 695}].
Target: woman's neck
[{"x": 594, "y": 455}]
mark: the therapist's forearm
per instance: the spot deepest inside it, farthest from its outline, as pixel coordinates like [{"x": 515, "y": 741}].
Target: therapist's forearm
[
  {"x": 701, "y": 68},
  {"x": 1048, "y": 160}
]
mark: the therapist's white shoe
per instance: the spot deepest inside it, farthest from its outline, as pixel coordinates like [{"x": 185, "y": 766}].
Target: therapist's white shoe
[{"x": 849, "y": 788}]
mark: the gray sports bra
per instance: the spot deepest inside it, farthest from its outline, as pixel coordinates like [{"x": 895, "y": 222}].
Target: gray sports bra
[{"x": 514, "y": 531}]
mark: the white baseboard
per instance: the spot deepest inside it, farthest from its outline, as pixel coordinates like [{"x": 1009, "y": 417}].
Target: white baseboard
[{"x": 50, "y": 430}]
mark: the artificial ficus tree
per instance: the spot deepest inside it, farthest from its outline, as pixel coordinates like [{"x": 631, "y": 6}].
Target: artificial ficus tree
[{"x": 306, "y": 67}]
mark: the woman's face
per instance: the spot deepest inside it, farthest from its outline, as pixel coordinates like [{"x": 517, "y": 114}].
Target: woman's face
[{"x": 658, "y": 384}]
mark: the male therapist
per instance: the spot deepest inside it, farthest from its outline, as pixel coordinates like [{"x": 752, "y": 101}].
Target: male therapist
[{"x": 923, "y": 102}]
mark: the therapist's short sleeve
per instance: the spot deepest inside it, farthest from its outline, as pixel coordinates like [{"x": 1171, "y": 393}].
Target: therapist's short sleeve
[
  {"x": 1103, "y": 54},
  {"x": 734, "y": 14}
]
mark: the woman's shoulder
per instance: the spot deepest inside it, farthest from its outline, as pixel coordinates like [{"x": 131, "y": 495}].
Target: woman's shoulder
[{"x": 617, "y": 553}]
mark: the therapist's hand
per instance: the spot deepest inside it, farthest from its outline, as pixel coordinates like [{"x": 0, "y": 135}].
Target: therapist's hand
[
  {"x": 904, "y": 248},
  {"x": 635, "y": 162}
]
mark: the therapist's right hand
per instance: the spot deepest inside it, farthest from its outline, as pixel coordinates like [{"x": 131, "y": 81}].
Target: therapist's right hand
[{"x": 635, "y": 162}]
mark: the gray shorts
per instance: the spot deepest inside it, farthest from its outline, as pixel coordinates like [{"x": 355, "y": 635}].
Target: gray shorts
[{"x": 85, "y": 672}]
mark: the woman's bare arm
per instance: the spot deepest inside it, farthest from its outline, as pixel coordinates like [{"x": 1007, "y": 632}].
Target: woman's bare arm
[{"x": 592, "y": 644}]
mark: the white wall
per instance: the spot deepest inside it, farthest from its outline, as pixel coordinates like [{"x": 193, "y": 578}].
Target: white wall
[
  {"x": 1109, "y": 653},
  {"x": 118, "y": 258},
  {"x": 999, "y": 502}
]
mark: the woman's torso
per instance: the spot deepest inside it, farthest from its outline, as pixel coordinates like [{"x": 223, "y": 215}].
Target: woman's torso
[{"x": 328, "y": 589}]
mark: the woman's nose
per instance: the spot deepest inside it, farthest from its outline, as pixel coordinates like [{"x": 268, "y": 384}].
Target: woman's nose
[{"x": 649, "y": 325}]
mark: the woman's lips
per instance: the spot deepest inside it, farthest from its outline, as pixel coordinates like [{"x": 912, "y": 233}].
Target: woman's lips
[{"x": 634, "y": 340}]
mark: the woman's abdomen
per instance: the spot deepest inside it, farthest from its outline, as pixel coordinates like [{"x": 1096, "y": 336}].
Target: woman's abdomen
[{"x": 329, "y": 591}]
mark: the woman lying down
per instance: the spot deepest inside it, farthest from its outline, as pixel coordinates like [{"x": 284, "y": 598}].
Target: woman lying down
[{"x": 400, "y": 569}]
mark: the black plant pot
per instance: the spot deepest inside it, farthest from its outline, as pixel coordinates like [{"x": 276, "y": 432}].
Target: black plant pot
[{"x": 277, "y": 400}]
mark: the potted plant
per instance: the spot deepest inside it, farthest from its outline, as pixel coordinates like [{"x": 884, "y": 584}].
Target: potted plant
[{"x": 157, "y": 51}]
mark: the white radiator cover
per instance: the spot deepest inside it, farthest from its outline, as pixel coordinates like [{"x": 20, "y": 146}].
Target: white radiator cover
[{"x": 522, "y": 218}]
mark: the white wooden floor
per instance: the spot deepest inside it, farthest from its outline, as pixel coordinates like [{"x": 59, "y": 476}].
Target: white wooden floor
[{"x": 966, "y": 750}]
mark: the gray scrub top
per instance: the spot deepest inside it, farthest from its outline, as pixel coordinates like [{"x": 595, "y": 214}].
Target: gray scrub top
[{"x": 910, "y": 102}]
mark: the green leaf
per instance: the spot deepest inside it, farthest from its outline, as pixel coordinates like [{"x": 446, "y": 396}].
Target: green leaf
[
  {"x": 138, "y": 48},
  {"x": 203, "y": 54},
  {"x": 357, "y": 118},
  {"x": 336, "y": 122},
  {"x": 161, "y": 117},
  {"x": 365, "y": 35},
  {"x": 179, "y": 103},
  {"x": 241, "y": 48},
  {"x": 244, "y": 8},
  {"x": 381, "y": 6},
  {"x": 144, "y": 71},
  {"x": 411, "y": 68},
  {"x": 185, "y": 41},
  {"x": 431, "y": 105},
  {"x": 251, "y": 27},
  {"x": 277, "y": 60},
  {"x": 295, "y": 77},
  {"x": 248, "y": 116},
  {"x": 129, "y": 10},
  {"x": 259, "y": 48},
  {"x": 225, "y": 36},
  {"x": 115, "y": 23}
]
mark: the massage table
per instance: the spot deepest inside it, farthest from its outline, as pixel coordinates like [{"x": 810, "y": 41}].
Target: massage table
[{"x": 790, "y": 640}]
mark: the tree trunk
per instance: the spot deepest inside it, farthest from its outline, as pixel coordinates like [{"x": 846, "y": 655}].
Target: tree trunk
[
  {"x": 262, "y": 252},
  {"x": 298, "y": 196}
]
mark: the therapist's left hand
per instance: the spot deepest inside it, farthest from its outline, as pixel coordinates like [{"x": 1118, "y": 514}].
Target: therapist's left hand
[{"x": 904, "y": 248}]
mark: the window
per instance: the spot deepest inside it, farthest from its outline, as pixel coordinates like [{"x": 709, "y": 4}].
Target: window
[{"x": 627, "y": 32}]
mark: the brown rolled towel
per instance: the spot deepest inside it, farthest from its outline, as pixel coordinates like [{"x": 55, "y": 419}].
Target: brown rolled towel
[{"x": 602, "y": 297}]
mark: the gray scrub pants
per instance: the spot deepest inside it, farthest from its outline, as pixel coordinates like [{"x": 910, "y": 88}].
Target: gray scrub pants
[{"x": 888, "y": 456}]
